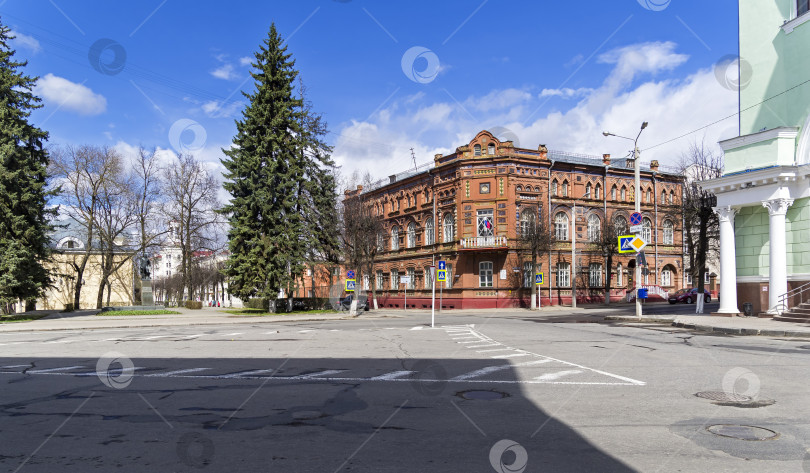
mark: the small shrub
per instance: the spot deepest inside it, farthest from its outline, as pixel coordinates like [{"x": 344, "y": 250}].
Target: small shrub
[
  {"x": 258, "y": 303},
  {"x": 68, "y": 307},
  {"x": 194, "y": 305}
]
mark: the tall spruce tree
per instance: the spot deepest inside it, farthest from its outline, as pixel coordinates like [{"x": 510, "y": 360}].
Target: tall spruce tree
[
  {"x": 277, "y": 156},
  {"x": 24, "y": 224}
]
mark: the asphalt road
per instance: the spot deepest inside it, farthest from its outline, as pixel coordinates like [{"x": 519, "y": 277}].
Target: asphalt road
[{"x": 479, "y": 393}]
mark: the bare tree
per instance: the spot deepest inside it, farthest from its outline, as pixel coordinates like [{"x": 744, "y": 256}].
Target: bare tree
[
  {"x": 191, "y": 208},
  {"x": 535, "y": 239},
  {"x": 608, "y": 245},
  {"x": 700, "y": 222},
  {"x": 361, "y": 229}
]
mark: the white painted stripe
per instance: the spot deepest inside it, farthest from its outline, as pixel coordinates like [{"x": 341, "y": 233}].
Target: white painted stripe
[
  {"x": 64, "y": 368},
  {"x": 189, "y": 337},
  {"x": 321, "y": 373},
  {"x": 494, "y": 349},
  {"x": 417, "y": 328},
  {"x": 492, "y": 369},
  {"x": 391, "y": 375},
  {"x": 241, "y": 374},
  {"x": 156, "y": 336},
  {"x": 13, "y": 366},
  {"x": 103, "y": 373},
  {"x": 61, "y": 341},
  {"x": 232, "y": 334},
  {"x": 175, "y": 373},
  {"x": 513, "y": 355},
  {"x": 557, "y": 375},
  {"x": 486, "y": 345},
  {"x": 305, "y": 331}
]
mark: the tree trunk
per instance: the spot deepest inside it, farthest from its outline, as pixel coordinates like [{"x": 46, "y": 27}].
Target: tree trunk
[{"x": 609, "y": 274}]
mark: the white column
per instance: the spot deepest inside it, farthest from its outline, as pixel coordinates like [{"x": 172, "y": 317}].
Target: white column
[
  {"x": 777, "y": 279},
  {"x": 728, "y": 261}
]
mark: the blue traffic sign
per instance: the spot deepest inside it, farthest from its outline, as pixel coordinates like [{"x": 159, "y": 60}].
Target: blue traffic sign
[
  {"x": 441, "y": 275},
  {"x": 635, "y": 218},
  {"x": 538, "y": 278},
  {"x": 350, "y": 274},
  {"x": 350, "y": 285},
  {"x": 625, "y": 245},
  {"x": 442, "y": 264}
]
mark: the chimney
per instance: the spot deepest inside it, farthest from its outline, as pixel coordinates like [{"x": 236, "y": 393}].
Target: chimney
[
  {"x": 359, "y": 188},
  {"x": 654, "y": 165},
  {"x": 543, "y": 151},
  {"x": 606, "y": 159}
]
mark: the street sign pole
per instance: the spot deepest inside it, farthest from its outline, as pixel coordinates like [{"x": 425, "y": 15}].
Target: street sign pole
[
  {"x": 433, "y": 299},
  {"x": 637, "y": 169},
  {"x": 574, "y": 258}
]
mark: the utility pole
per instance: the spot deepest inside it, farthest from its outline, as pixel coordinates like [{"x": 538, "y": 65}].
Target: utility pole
[
  {"x": 637, "y": 199},
  {"x": 574, "y": 257}
]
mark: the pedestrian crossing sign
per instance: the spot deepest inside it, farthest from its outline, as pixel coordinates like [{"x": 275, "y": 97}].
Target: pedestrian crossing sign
[
  {"x": 625, "y": 244},
  {"x": 538, "y": 278},
  {"x": 350, "y": 285},
  {"x": 441, "y": 275}
]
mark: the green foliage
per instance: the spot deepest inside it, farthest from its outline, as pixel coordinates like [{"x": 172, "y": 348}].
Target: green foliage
[
  {"x": 193, "y": 305},
  {"x": 23, "y": 193},
  {"x": 258, "y": 303},
  {"x": 277, "y": 177},
  {"x": 137, "y": 312}
]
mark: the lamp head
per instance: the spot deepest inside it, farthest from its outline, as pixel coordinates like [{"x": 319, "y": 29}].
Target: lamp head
[
  {"x": 606, "y": 133},
  {"x": 644, "y": 125}
]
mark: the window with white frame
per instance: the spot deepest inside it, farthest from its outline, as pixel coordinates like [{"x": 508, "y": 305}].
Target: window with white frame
[
  {"x": 395, "y": 238},
  {"x": 594, "y": 228},
  {"x": 687, "y": 279},
  {"x": 491, "y": 148},
  {"x": 613, "y": 193},
  {"x": 565, "y": 189},
  {"x": 528, "y": 274},
  {"x": 380, "y": 282},
  {"x": 646, "y": 230},
  {"x": 595, "y": 275},
  {"x": 619, "y": 275},
  {"x": 561, "y": 226},
  {"x": 365, "y": 282},
  {"x": 620, "y": 225},
  {"x": 666, "y": 276},
  {"x": 563, "y": 274},
  {"x": 485, "y": 225},
  {"x": 394, "y": 279},
  {"x": 449, "y": 282},
  {"x": 429, "y": 233},
  {"x": 411, "y": 278},
  {"x": 449, "y": 227},
  {"x": 485, "y": 274},
  {"x": 669, "y": 232},
  {"x": 526, "y": 221},
  {"x": 411, "y": 235},
  {"x": 588, "y": 190},
  {"x": 554, "y": 187},
  {"x": 477, "y": 150},
  {"x": 380, "y": 242},
  {"x": 427, "y": 277},
  {"x": 624, "y": 194},
  {"x": 598, "y": 194},
  {"x": 663, "y": 197}
]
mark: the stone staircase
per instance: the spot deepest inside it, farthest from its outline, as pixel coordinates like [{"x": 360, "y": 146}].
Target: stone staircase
[{"x": 800, "y": 313}]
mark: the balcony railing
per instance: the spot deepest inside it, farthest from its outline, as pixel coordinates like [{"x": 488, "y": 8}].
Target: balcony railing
[{"x": 484, "y": 242}]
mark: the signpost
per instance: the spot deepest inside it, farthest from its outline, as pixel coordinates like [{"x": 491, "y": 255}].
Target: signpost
[
  {"x": 350, "y": 285},
  {"x": 638, "y": 244},
  {"x": 350, "y": 274},
  {"x": 538, "y": 279},
  {"x": 624, "y": 243},
  {"x": 441, "y": 276},
  {"x": 635, "y": 218},
  {"x": 405, "y": 280},
  {"x": 433, "y": 303}
]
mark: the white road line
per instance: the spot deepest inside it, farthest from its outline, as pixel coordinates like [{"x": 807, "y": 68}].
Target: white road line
[
  {"x": 156, "y": 336},
  {"x": 494, "y": 349},
  {"x": 391, "y": 375},
  {"x": 244, "y": 373},
  {"x": 189, "y": 337},
  {"x": 471, "y": 341},
  {"x": 492, "y": 369},
  {"x": 13, "y": 366},
  {"x": 104, "y": 373},
  {"x": 487, "y": 345},
  {"x": 305, "y": 331},
  {"x": 64, "y": 368},
  {"x": 557, "y": 375},
  {"x": 321, "y": 373},
  {"x": 61, "y": 341},
  {"x": 513, "y": 355},
  {"x": 232, "y": 334},
  {"x": 417, "y": 328},
  {"x": 174, "y": 373}
]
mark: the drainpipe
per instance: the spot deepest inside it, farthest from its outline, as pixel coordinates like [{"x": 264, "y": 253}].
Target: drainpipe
[
  {"x": 609, "y": 271},
  {"x": 655, "y": 192},
  {"x": 550, "y": 280}
]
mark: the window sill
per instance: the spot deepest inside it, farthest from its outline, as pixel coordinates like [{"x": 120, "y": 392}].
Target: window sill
[{"x": 789, "y": 26}]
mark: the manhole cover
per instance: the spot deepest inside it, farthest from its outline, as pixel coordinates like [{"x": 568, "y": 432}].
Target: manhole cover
[
  {"x": 742, "y": 432},
  {"x": 482, "y": 395},
  {"x": 723, "y": 396}
]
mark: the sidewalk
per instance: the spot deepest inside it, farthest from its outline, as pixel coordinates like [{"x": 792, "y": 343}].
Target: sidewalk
[{"x": 728, "y": 325}]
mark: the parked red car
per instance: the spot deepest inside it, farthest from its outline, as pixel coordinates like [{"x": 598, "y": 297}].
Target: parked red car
[{"x": 688, "y": 296}]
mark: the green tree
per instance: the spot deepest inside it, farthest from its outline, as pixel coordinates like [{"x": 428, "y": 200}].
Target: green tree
[
  {"x": 278, "y": 178},
  {"x": 24, "y": 218}
]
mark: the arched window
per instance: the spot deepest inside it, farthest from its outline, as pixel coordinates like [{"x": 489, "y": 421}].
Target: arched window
[
  {"x": 411, "y": 235},
  {"x": 491, "y": 148},
  {"x": 595, "y": 275},
  {"x": 613, "y": 193},
  {"x": 563, "y": 274},
  {"x": 669, "y": 232},
  {"x": 598, "y": 193},
  {"x": 565, "y": 188},
  {"x": 620, "y": 224},
  {"x": 537, "y": 189},
  {"x": 561, "y": 226},
  {"x": 624, "y": 193},
  {"x": 663, "y": 197},
  {"x": 672, "y": 197},
  {"x": 594, "y": 227},
  {"x": 649, "y": 196},
  {"x": 380, "y": 242},
  {"x": 526, "y": 220},
  {"x": 646, "y": 230},
  {"x": 554, "y": 187},
  {"x": 411, "y": 278},
  {"x": 429, "y": 233},
  {"x": 449, "y": 227},
  {"x": 619, "y": 275},
  {"x": 395, "y": 238},
  {"x": 519, "y": 188},
  {"x": 666, "y": 276},
  {"x": 588, "y": 190},
  {"x": 477, "y": 150}
]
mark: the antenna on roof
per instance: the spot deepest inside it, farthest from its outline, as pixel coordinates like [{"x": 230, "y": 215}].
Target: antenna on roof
[{"x": 413, "y": 156}]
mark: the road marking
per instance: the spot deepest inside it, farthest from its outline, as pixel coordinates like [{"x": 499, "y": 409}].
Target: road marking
[
  {"x": 471, "y": 341},
  {"x": 513, "y": 355},
  {"x": 175, "y": 373},
  {"x": 240, "y": 374},
  {"x": 156, "y": 336},
  {"x": 189, "y": 337},
  {"x": 492, "y": 369},
  {"x": 417, "y": 328},
  {"x": 391, "y": 375},
  {"x": 487, "y": 345},
  {"x": 321, "y": 373},
  {"x": 128, "y": 371},
  {"x": 13, "y": 366},
  {"x": 557, "y": 375},
  {"x": 494, "y": 349},
  {"x": 305, "y": 331},
  {"x": 232, "y": 334},
  {"x": 64, "y": 368},
  {"x": 60, "y": 341}
]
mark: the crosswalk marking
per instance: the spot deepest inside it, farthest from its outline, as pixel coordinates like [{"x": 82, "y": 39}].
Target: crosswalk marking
[
  {"x": 512, "y": 355},
  {"x": 492, "y": 369},
  {"x": 321, "y": 373},
  {"x": 483, "y": 346},
  {"x": 494, "y": 349},
  {"x": 392, "y": 375},
  {"x": 175, "y": 373},
  {"x": 557, "y": 375},
  {"x": 49, "y": 370},
  {"x": 240, "y": 374}
]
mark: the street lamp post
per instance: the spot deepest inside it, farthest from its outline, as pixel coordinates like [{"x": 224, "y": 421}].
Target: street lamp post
[{"x": 637, "y": 169}]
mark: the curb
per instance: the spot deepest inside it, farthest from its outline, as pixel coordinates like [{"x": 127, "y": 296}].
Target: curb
[
  {"x": 630, "y": 318},
  {"x": 742, "y": 331}
]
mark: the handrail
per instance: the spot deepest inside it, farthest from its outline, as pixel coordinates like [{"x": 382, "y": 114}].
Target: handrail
[{"x": 784, "y": 299}]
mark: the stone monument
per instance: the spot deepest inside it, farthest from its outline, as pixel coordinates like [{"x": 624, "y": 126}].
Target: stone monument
[{"x": 147, "y": 297}]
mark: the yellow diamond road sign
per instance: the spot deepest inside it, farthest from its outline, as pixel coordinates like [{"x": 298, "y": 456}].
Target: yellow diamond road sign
[{"x": 638, "y": 243}]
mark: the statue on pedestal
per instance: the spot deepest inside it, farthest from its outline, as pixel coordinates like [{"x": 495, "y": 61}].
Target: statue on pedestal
[{"x": 146, "y": 273}]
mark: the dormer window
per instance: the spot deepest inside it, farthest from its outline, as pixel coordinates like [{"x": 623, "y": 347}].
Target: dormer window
[
  {"x": 477, "y": 150},
  {"x": 491, "y": 148}
]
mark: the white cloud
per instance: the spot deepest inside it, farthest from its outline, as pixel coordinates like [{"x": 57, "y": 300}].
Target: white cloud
[
  {"x": 630, "y": 94},
  {"x": 245, "y": 61},
  {"x": 224, "y": 72},
  {"x": 25, "y": 41},
  {"x": 216, "y": 109},
  {"x": 68, "y": 95}
]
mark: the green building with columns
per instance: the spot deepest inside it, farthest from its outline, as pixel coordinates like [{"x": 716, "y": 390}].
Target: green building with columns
[{"x": 763, "y": 196}]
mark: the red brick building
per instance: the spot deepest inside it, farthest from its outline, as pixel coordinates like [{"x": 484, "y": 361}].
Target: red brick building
[{"x": 466, "y": 210}]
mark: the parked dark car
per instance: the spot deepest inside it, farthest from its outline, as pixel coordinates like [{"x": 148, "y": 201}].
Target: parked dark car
[
  {"x": 346, "y": 302},
  {"x": 688, "y": 296}
]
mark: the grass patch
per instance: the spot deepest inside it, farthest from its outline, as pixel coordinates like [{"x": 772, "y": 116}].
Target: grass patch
[
  {"x": 262, "y": 312},
  {"x": 20, "y": 318},
  {"x": 136, "y": 312}
]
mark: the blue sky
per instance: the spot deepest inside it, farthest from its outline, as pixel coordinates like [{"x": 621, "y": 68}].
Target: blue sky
[{"x": 558, "y": 73}]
